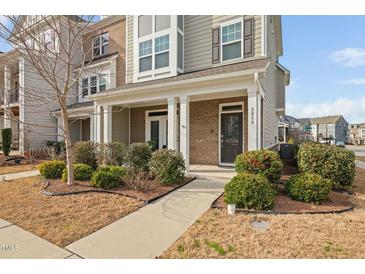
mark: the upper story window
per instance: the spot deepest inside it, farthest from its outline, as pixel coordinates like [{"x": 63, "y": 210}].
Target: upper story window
[
  {"x": 231, "y": 41},
  {"x": 154, "y": 51},
  {"x": 100, "y": 45},
  {"x": 93, "y": 84}
]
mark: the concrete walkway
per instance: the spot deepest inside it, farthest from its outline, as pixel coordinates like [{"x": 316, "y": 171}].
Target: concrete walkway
[
  {"x": 20, "y": 175},
  {"x": 149, "y": 231},
  {"x": 16, "y": 243},
  {"x": 360, "y": 164}
]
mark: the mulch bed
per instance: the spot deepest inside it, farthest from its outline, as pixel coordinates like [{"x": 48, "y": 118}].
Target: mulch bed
[
  {"x": 155, "y": 191},
  {"x": 337, "y": 201}
]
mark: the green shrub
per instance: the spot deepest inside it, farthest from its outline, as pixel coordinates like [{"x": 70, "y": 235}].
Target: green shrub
[
  {"x": 82, "y": 172},
  {"x": 138, "y": 156},
  {"x": 51, "y": 169},
  {"x": 308, "y": 187},
  {"x": 113, "y": 154},
  {"x": 85, "y": 153},
  {"x": 6, "y": 137},
  {"x": 334, "y": 163},
  {"x": 248, "y": 190},
  {"x": 167, "y": 166},
  {"x": 108, "y": 177},
  {"x": 265, "y": 162}
]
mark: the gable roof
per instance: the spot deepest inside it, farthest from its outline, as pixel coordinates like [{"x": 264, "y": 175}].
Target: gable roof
[{"x": 320, "y": 120}]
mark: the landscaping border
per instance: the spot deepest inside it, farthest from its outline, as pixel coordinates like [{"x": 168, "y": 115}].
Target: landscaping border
[
  {"x": 98, "y": 190},
  {"x": 270, "y": 212}
]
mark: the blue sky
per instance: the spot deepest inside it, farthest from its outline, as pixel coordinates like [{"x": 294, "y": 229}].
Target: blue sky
[{"x": 326, "y": 57}]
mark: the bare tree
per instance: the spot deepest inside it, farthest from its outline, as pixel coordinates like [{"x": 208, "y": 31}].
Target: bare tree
[{"x": 51, "y": 47}]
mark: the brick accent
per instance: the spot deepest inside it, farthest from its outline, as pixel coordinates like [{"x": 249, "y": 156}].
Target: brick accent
[
  {"x": 116, "y": 31},
  {"x": 204, "y": 130},
  {"x": 204, "y": 127}
]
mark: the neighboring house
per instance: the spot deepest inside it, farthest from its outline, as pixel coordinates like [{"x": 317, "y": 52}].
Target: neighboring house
[
  {"x": 29, "y": 116},
  {"x": 104, "y": 68},
  {"x": 356, "y": 134},
  {"x": 328, "y": 128},
  {"x": 289, "y": 129},
  {"x": 208, "y": 86}
]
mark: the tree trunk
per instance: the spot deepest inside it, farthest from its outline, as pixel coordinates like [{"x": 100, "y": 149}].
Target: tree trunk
[{"x": 69, "y": 153}]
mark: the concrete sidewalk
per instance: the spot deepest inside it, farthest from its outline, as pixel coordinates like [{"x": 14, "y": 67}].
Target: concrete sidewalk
[
  {"x": 20, "y": 175},
  {"x": 149, "y": 231},
  {"x": 360, "y": 164},
  {"x": 16, "y": 243}
]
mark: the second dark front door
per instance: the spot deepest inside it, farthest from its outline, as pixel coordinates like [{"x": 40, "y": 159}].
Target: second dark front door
[{"x": 231, "y": 136}]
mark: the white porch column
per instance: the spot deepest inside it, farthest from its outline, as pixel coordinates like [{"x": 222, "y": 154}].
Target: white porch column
[
  {"x": 184, "y": 129},
  {"x": 98, "y": 119},
  {"x": 108, "y": 111},
  {"x": 7, "y": 87},
  {"x": 172, "y": 123},
  {"x": 92, "y": 127},
  {"x": 254, "y": 119}
]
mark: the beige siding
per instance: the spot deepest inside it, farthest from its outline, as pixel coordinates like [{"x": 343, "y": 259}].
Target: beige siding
[
  {"x": 280, "y": 89},
  {"x": 129, "y": 48},
  {"x": 197, "y": 41},
  {"x": 120, "y": 125},
  {"x": 270, "y": 119},
  {"x": 271, "y": 39}
]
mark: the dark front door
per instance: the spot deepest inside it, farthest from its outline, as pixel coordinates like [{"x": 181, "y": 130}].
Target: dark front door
[{"x": 231, "y": 136}]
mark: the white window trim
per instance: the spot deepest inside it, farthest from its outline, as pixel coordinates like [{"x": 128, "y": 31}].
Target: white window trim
[
  {"x": 100, "y": 45},
  {"x": 106, "y": 74},
  {"x": 362, "y": 133},
  {"x": 220, "y": 123},
  {"x": 168, "y": 71},
  {"x": 161, "y": 118},
  {"x": 231, "y": 42}
]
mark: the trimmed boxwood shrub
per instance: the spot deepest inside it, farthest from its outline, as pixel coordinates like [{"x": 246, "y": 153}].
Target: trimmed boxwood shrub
[
  {"x": 265, "y": 162},
  {"x": 112, "y": 154},
  {"x": 85, "y": 153},
  {"x": 51, "y": 169},
  {"x": 252, "y": 191},
  {"x": 308, "y": 187},
  {"x": 138, "y": 156},
  {"x": 334, "y": 163},
  {"x": 167, "y": 166},
  {"x": 82, "y": 172},
  {"x": 108, "y": 177}
]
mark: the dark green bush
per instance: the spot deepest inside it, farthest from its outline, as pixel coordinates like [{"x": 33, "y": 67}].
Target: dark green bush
[
  {"x": 82, "y": 172},
  {"x": 167, "y": 166},
  {"x": 6, "y": 137},
  {"x": 108, "y": 177},
  {"x": 85, "y": 153},
  {"x": 51, "y": 169},
  {"x": 138, "y": 156},
  {"x": 265, "y": 162},
  {"x": 334, "y": 163},
  {"x": 308, "y": 187},
  {"x": 112, "y": 154},
  {"x": 252, "y": 191}
]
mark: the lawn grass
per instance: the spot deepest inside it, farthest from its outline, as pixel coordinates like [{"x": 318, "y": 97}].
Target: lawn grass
[
  {"x": 17, "y": 168},
  {"x": 219, "y": 235},
  {"x": 60, "y": 219}
]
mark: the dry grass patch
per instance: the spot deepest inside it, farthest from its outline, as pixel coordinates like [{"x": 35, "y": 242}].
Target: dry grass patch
[
  {"x": 360, "y": 158},
  {"x": 63, "y": 219},
  {"x": 218, "y": 235}
]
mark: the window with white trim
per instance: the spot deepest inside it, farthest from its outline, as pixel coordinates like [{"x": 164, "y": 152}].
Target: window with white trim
[
  {"x": 363, "y": 133},
  {"x": 162, "y": 46},
  {"x": 231, "y": 41},
  {"x": 154, "y": 51},
  {"x": 145, "y": 56},
  {"x": 100, "y": 45},
  {"x": 93, "y": 84}
]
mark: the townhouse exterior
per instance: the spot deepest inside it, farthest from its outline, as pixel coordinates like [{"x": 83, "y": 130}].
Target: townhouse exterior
[
  {"x": 27, "y": 100},
  {"x": 289, "y": 128},
  {"x": 356, "y": 134},
  {"x": 328, "y": 128},
  {"x": 208, "y": 86}
]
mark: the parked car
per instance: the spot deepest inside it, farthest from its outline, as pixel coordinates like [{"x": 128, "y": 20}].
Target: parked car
[{"x": 340, "y": 144}]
